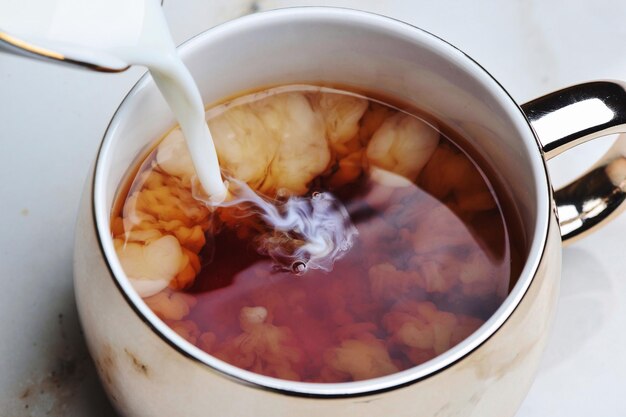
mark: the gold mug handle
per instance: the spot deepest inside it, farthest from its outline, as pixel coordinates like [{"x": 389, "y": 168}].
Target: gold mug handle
[{"x": 569, "y": 117}]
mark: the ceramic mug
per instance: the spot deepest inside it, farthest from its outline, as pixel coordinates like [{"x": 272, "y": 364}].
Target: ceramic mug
[{"x": 148, "y": 370}]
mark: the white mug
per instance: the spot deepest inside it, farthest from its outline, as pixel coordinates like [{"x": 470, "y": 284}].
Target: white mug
[{"x": 148, "y": 370}]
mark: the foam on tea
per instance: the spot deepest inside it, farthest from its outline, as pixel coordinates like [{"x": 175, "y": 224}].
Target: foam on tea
[{"x": 429, "y": 260}]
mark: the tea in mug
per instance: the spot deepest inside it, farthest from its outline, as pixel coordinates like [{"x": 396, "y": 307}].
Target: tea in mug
[{"x": 435, "y": 251}]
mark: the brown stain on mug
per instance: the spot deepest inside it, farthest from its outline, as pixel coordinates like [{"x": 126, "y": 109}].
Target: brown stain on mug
[
  {"x": 138, "y": 365},
  {"x": 109, "y": 363},
  {"x": 106, "y": 364}
]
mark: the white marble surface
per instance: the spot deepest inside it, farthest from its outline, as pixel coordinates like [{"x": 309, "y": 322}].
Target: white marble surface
[{"x": 52, "y": 118}]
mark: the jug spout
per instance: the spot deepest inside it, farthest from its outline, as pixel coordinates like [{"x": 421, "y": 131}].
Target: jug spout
[
  {"x": 58, "y": 54},
  {"x": 75, "y": 32}
]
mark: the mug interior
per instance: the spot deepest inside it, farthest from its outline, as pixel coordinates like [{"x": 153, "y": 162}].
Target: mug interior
[{"x": 349, "y": 48}]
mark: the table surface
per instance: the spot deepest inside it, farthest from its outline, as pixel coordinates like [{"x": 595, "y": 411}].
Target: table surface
[{"x": 52, "y": 119}]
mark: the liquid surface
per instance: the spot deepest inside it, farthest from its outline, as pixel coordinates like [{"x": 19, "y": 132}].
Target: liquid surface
[{"x": 430, "y": 262}]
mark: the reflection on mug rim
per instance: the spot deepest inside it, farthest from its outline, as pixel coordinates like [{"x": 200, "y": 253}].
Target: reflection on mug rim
[{"x": 345, "y": 389}]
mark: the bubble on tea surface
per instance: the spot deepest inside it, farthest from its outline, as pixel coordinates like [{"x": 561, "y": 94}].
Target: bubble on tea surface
[{"x": 298, "y": 267}]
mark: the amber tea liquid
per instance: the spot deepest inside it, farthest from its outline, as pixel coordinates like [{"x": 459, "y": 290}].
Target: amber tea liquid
[{"x": 435, "y": 255}]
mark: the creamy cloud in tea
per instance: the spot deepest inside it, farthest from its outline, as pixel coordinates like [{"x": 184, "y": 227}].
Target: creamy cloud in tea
[{"x": 429, "y": 254}]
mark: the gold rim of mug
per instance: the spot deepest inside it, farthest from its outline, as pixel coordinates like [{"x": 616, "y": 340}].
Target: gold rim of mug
[{"x": 344, "y": 389}]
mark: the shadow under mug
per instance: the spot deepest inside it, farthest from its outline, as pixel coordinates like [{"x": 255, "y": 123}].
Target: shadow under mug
[{"x": 148, "y": 370}]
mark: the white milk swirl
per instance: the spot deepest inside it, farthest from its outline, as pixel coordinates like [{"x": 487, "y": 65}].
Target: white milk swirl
[{"x": 307, "y": 232}]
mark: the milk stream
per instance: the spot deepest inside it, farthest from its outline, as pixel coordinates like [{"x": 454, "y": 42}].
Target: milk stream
[{"x": 136, "y": 32}]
